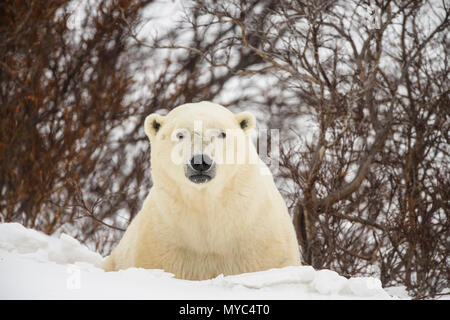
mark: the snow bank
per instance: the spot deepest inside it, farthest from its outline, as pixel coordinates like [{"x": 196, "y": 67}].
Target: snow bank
[
  {"x": 16, "y": 238},
  {"x": 36, "y": 266}
]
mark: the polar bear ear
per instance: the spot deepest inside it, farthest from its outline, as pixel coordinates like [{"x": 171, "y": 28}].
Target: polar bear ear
[
  {"x": 246, "y": 120},
  {"x": 153, "y": 124}
]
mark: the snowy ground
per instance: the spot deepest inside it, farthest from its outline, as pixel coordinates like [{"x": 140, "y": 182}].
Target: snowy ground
[{"x": 36, "y": 266}]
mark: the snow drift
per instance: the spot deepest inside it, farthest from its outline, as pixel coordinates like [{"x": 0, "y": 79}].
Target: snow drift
[{"x": 36, "y": 266}]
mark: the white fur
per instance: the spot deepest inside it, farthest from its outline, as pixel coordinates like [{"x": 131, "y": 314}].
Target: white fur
[{"x": 235, "y": 223}]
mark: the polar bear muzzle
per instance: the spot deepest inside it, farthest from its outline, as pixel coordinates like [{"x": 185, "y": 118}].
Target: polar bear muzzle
[{"x": 200, "y": 169}]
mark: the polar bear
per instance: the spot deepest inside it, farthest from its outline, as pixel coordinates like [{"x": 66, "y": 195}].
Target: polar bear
[{"x": 205, "y": 216}]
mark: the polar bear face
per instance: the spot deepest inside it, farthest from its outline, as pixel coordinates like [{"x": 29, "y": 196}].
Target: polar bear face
[{"x": 199, "y": 144}]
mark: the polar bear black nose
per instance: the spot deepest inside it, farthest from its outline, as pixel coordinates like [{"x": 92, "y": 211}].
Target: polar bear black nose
[{"x": 201, "y": 162}]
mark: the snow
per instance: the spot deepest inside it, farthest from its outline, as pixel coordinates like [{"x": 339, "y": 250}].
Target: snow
[
  {"x": 37, "y": 266},
  {"x": 399, "y": 292}
]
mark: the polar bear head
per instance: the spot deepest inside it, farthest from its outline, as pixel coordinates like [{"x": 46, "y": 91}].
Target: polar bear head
[{"x": 199, "y": 144}]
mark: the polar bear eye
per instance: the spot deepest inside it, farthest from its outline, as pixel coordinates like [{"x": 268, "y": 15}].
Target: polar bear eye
[
  {"x": 180, "y": 135},
  {"x": 222, "y": 135}
]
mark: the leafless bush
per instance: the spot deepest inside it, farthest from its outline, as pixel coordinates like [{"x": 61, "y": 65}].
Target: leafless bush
[
  {"x": 73, "y": 96},
  {"x": 369, "y": 193},
  {"x": 61, "y": 97}
]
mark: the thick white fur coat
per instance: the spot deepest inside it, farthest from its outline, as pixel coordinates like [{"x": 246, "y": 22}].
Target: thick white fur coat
[{"x": 236, "y": 223}]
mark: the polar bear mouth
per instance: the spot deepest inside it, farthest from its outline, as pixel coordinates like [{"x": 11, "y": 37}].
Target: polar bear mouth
[
  {"x": 200, "y": 178},
  {"x": 200, "y": 169}
]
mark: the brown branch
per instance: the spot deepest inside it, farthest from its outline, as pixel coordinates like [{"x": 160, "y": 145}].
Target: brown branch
[
  {"x": 358, "y": 220},
  {"x": 347, "y": 190},
  {"x": 369, "y": 258}
]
